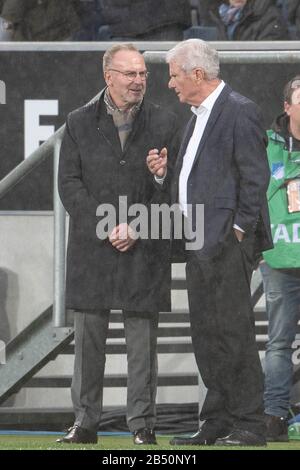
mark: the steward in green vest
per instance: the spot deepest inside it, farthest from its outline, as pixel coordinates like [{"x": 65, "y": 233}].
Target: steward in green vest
[
  {"x": 281, "y": 269},
  {"x": 283, "y": 193}
]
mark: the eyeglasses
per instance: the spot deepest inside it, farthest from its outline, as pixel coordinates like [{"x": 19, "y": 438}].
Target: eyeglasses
[{"x": 130, "y": 76}]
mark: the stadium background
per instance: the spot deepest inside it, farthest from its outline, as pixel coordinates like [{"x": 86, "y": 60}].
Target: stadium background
[{"x": 73, "y": 77}]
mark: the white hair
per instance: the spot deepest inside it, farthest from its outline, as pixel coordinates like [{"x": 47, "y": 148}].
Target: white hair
[{"x": 194, "y": 53}]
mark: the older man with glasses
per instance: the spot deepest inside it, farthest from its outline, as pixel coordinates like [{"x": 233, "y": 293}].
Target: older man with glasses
[
  {"x": 281, "y": 269},
  {"x": 103, "y": 165}
]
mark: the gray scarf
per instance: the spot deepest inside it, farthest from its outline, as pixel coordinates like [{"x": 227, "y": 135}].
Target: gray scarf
[{"x": 123, "y": 118}]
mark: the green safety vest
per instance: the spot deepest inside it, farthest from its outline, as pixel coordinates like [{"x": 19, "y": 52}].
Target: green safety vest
[{"x": 285, "y": 226}]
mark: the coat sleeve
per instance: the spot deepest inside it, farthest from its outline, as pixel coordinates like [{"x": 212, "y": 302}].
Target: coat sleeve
[
  {"x": 173, "y": 140},
  {"x": 77, "y": 200},
  {"x": 250, "y": 155},
  {"x": 272, "y": 26}
]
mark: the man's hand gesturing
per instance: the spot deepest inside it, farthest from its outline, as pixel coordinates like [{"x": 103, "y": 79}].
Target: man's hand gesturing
[{"x": 157, "y": 162}]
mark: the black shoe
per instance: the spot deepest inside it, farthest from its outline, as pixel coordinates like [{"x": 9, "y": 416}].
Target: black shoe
[
  {"x": 277, "y": 428},
  {"x": 144, "y": 436},
  {"x": 240, "y": 437},
  {"x": 206, "y": 436},
  {"x": 78, "y": 435}
]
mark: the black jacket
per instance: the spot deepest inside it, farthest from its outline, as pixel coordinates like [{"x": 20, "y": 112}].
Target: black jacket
[
  {"x": 206, "y": 7},
  {"x": 230, "y": 174},
  {"x": 94, "y": 170},
  {"x": 41, "y": 20},
  {"x": 260, "y": 21},
  {"x": 132, "y": 17}
]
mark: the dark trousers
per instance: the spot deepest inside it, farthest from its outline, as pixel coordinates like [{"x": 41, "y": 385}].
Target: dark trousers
[
  {"x": 223, "y": 336},
  {"x": 91, "y": 331}
]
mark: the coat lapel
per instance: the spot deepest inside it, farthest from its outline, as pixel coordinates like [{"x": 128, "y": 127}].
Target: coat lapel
[
  {"x": 178, "y": 165},
  {"x": 214, "y": 115},
  {"x": 185, "y": 140},
  {"x": 106, "y": 128}
]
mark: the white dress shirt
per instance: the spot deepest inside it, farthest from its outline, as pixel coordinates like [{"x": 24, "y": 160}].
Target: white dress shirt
[{"x": 202, "y": 113}]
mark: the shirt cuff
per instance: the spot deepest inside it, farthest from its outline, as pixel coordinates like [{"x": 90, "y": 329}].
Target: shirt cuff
[
  {"x": 160, "y": 179},
  {"x": 238, "y": 228}
]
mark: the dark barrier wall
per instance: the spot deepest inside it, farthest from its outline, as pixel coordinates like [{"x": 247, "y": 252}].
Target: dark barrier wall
[{"x": 69, "y": 79}]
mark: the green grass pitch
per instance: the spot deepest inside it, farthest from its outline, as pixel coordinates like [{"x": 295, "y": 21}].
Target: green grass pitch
[{"x": 47, "y": 442}]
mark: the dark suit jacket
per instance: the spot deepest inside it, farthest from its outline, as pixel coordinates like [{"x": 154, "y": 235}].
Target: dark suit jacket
[{"x": 230, "y": 174}]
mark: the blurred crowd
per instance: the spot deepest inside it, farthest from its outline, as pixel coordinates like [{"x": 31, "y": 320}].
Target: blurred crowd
[
  {"x": 171, "y": 20},
  {"x": 251, "y": 20},
  {"x": 94, "y": 20}
]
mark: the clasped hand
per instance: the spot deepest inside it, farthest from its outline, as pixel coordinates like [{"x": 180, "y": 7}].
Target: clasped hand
[{"x": 122, "y": 237}]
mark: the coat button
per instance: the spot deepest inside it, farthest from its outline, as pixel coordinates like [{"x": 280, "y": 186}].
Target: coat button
[{"x": 122, "y": 162}]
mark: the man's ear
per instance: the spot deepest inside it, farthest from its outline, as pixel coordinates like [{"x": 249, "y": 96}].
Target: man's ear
[
  {"x": 107, "y": 77},
  {"x": 199, "y": 75}
]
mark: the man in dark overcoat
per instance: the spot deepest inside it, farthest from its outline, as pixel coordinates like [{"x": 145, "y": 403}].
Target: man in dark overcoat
[{"x": 103, "y": 165}]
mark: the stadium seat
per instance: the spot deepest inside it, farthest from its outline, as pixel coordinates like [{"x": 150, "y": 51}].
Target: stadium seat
[{"x": 207, "y": 33}]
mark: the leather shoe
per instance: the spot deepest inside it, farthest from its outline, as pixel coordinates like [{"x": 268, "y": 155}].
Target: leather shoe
[
  {"x": 204, "y": 437},
  {"x": 79, "y": 435},
  {"x": 241, "y": 437},
  {"x": 144, "y": 436},
  {"x": 277, "y": 428}
]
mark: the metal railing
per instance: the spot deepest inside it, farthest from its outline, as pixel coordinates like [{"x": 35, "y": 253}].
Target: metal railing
[
  {"x": 31, "y": 162},
  {"x": 59, "y": 267},
  {"x": 48, "y": 149},
  {"x": 52, "y": 145},
  {"x": 240, "y": 57}
]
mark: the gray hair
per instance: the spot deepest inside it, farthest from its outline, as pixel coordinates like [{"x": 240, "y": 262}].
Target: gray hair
[
  {"x": 194, "y": 53},
  {"x": 110, "y": 53}
]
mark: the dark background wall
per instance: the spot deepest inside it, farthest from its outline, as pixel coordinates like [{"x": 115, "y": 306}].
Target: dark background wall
[{"x": 73, "y": 78}]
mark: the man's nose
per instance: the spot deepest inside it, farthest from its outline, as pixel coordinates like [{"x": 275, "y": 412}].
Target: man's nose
[
  {"x": 138, "y": 78},
  {"x": 170, "y": 84}
]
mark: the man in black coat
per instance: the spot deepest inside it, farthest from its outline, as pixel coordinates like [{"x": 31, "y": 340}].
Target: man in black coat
[
  {"x": 103, "y": 168},
  {"x": 222, "y": 164},
  {"x": 249, "y": 20},
  {"x": 40, "y": 20},
  {"x": 150, "y": 20}
]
